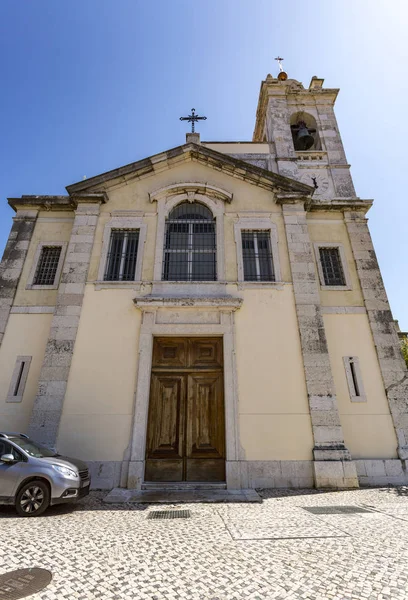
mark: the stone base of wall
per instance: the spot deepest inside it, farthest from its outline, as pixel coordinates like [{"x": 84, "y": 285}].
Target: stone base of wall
[
  {"x": 337, "y": 474},
  {"x": 105, "y": 475},
  {"x": 293, "y": 474},
  {"x": 277, "y": 474},
  {"x": 382, "y": 472}
]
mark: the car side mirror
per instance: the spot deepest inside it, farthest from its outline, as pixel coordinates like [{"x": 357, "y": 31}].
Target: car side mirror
[{"x": 7, "y": 458}]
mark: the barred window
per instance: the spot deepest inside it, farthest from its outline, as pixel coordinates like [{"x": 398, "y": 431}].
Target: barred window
[
  {"x": 257, "y": 255},
  {"x": 47, "y": 265},
  {"x": 122, "y": 255},
  {"x": 332, "y": 269},
  {"x": 190, "y": 244}
]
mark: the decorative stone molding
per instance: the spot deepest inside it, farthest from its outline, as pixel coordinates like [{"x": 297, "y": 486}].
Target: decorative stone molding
[
  {"x": 191, "y": 189},
  {"x": 123, "y": 221},
  {"x": 393, "y": 369},
  {"x": 344, "y": 310},
  {"x": 252, "y": 223},
  {"x": 30, "y": 281},
  {"x": 317, "y": 246},
  {"x": 332, "y": 461},
  {"x": 13, "y": 260},
  {"x": 228, "y": 302},
  {"x": 185, "y": 317},
  {"x": 26, "y": 310},
  {"x": 198, "y": 153},
  {"x": 47, "y": 410}
]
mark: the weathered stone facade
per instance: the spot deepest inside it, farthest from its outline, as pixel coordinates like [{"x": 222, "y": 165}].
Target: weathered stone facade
[
  {"x": 393, "y": 369},
  {"x": 327, "y": 432},
  {"x": 292, "y": 417},
  {"x": 13, "y": 261},
  {"x": 52, "y": 385}
]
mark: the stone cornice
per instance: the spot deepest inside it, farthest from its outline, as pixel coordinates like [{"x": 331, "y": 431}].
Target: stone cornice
[
  {"x": 220, "y": 302},
  {"x": 198, "y": 153},
  {"x": 341, "y": 205},
  {"x": 51, "y": 203},
  {"x": 336, "y": 204}
]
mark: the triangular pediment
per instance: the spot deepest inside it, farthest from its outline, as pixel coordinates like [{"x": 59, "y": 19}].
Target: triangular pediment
[{"x": 158, "y": 163}]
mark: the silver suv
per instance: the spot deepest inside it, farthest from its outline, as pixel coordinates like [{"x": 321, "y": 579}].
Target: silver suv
[{"x": 33, "y": 478}]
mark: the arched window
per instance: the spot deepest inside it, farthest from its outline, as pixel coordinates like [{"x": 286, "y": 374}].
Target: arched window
[
  {"x": 304, "y": 132},
  {"x": 190, "y": 244}
]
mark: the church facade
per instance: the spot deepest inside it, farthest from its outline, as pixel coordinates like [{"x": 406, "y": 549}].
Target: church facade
[{"x": 214, "y": 313}]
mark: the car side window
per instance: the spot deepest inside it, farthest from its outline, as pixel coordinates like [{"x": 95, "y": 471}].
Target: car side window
[{"x": 6, "y": 448}]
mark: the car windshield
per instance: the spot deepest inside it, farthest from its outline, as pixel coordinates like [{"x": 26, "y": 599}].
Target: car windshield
[{"x": 32, "y": 448}]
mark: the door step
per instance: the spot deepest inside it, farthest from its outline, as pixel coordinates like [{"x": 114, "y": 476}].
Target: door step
[
  {"x": 183, "y": 485},
  {"x": 183, "y": 496}
]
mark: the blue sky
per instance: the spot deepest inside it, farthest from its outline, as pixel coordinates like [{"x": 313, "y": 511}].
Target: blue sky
[{"x": 89, "y": 85}]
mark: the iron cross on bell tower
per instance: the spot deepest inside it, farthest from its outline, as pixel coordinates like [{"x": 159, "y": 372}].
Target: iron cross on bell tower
[{"x": 193, "y": 118}]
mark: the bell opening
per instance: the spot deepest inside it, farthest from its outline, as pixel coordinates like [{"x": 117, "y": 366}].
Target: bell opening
[{"x": 303, "y": 139}]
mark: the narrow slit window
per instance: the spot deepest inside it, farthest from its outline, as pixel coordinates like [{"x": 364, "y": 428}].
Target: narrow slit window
[
  {"x": 257, "y": 256},
  {"x": 47, "y": 265},
  {"x": 332, "y": 268},
  {"x": 122, "y": 255},
  {"x": 19, "y": 379},
  {"x": 354, "y": 379}
]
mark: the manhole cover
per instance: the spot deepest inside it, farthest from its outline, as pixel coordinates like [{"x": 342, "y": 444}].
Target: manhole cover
[
  {"x": 335, "y": 510},
  {"x": 168, "y": 514},
  {"x": 23, "y": 582}
]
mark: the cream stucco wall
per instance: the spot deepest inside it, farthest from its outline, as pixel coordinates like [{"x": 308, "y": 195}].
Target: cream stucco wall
[
  {"x": 273, "y": 408},
  {"x": 330, "y": 227},
  {"x": 26, "y": 335},
  {"x": 50, "y": 227},
  {"x": 99, "y": 402},
  {"x": 367, "y": 426},
  {"x": 134, "y": 196},
  {"x": 274, "y": 419}
]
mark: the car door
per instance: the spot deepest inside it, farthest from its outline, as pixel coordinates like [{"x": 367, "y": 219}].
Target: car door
[{"x": 11, "y": 474}]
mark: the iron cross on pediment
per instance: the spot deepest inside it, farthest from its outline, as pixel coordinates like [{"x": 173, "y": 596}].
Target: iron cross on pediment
[{"x": 193, "y": 118}]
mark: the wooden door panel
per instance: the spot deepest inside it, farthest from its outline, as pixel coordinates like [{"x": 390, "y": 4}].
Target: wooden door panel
[
  {"x": 164, "y": 469},
  {"x": 205, "y": 429},
  {"x": 205, "y": 469},
  {"x": 166, "y": 417},
  {"x": 186, "y": 423},
  {"x": 206, "y": 352},
  {"x": 170, "y": 352}
]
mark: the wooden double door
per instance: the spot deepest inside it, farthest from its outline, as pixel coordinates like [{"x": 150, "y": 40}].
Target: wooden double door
[{"x": 186, "y": 423}]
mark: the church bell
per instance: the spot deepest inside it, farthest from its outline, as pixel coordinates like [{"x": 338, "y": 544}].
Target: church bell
[{"x": 304, "y": 140}]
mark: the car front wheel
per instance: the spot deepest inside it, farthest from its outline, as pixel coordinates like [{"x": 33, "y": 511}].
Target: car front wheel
[{"x": 32, "y": 499}]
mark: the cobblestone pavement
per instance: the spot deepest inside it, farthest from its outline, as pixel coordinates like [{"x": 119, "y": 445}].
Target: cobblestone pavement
[{"x": 273, "y": 550}]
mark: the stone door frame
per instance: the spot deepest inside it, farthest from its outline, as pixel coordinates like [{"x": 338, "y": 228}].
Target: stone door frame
[{"x": 185, "y": 318}]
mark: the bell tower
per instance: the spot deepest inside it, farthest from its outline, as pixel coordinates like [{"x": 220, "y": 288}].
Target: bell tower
[{"x": 301, "y": 128}]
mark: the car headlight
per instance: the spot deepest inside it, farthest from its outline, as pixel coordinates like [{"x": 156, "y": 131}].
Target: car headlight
[{"x": 66, "y": 471}]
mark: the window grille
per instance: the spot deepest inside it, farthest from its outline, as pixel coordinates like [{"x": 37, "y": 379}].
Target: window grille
[
  {"x": 122, "y": 255},
  {"x": 47, "y": 265},
  {"x": 190, "y": 244},
  {"x": 330, "y": 260},
  {"x": 257, "y": 256}
]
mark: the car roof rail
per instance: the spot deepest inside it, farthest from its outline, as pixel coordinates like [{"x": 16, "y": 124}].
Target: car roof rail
[{"x": 7, "y": 434}]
